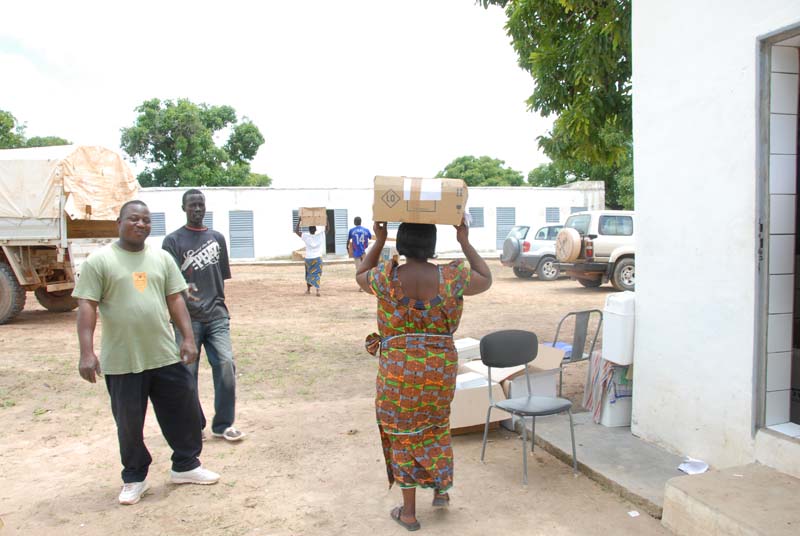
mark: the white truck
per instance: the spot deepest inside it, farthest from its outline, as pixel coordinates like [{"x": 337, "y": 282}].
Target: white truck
[
  {"x": 598, "y": 246},
  {"x": 57, "y": 205}
]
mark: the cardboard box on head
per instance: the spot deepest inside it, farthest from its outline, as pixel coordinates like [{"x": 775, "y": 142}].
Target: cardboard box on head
[
  {"x": 317, "y": 216},
  {"x": 415, "y": 200}
]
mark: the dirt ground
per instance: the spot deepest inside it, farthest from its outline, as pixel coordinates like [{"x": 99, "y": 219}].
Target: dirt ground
[{"x": 312, "y": 462}]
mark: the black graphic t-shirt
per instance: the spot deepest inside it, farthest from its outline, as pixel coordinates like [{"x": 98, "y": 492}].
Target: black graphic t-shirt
[{"x": 202, "y": 257}]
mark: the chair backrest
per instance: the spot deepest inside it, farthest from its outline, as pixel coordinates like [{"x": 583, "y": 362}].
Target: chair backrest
[
  {"x": 509, "y": 348},
  {"x": 581, "y": 332}
]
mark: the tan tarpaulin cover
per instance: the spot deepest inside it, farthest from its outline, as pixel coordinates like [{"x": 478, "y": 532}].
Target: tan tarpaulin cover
[{"x": 96, "y": 182}]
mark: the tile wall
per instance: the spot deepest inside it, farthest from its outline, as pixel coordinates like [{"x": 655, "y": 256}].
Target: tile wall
[{"x": 784, "y": 280}]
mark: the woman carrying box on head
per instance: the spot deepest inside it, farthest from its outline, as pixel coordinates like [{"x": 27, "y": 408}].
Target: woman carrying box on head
[
  {"x": 419, "y": 309},
  {"x": 315, "y": 247}
]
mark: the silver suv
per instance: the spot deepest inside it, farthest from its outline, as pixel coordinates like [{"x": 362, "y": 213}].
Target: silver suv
[
  {"x": 598, "y": 246},
  {"x": 536, "y": 255}
]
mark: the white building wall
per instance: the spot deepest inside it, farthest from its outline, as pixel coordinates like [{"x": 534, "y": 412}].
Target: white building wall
[
  {"x": 272, "y": 210},
  {"x": 695, "y": 81}
]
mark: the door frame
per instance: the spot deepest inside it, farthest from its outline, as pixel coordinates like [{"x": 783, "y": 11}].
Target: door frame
[{"x": 762, "y": 215}]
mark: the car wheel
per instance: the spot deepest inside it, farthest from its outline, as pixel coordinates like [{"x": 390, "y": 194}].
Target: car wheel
[
  {"x": 548, "y": 269},
  {"x": 522, "y": 273},
  {"x": 511, "y": 250},
  {"x": 568, "y": 245},
  {"x": 590, "y": 283},
  {"x": 624, "y": 277}
]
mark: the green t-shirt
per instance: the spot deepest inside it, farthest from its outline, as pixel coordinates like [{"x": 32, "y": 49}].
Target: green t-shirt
[{"x": 131, "y": 288}]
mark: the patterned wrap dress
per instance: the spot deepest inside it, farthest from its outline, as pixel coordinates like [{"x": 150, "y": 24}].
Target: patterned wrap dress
[{"x": 417, "y": 368}]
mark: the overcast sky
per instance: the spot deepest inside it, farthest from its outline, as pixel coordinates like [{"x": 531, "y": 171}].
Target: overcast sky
[{"x": 341, "y": 90}]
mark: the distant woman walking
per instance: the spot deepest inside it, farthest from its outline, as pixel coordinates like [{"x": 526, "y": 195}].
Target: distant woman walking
[
  {"x": 419, "y": 309},
  {"x": 315, "y": 247}
]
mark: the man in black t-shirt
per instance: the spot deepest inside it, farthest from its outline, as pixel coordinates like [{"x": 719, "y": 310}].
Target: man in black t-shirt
[{"x": 202, "y": 256}]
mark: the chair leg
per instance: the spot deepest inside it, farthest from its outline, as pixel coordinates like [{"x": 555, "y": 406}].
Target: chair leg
[
  {"x": 486, "y": 431},
  {"x": 524, "y": 452},
  {"x": 533, "y": 431},
  {"x": 572, "y": 435},
  {"x": 560, "y": 378}
]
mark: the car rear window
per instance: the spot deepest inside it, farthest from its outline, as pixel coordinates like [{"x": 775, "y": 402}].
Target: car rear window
[
  {"x": 615, "y": 225},
  {"x": 519, "y": 232},
  {"x": 579, "y": 222},
  {"x": 553, "y": 233}
]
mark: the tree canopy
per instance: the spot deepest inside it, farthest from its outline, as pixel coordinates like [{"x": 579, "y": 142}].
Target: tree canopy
[
  {"x": 12, "y": 135},
  {"x": 482, "y": 171},
  {"x": 175, "y": 139},
  {"x": 579, "y": 54}
]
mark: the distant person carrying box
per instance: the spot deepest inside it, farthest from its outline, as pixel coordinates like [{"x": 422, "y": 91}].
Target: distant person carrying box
[{"x": 315, "y": 247}]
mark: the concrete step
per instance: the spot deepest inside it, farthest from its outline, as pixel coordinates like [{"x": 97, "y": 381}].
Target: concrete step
[
  {"x": 749, "y": 500},
  {"x": 633, "y": 468}
]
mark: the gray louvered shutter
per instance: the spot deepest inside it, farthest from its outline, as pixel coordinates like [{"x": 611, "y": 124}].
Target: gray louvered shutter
[
  {"x": 506, "y": 218},
  {"x": 341, "y": 230},
  {"x": 241, "y": 234},
  {"x": 158, "y": 225}
]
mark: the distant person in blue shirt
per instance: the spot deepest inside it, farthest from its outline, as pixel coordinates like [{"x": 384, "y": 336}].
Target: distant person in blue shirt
[{"x": 357, "y": 241}]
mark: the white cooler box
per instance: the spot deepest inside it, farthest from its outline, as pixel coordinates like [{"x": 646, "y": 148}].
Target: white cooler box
[{"x": 618, "y": 320}]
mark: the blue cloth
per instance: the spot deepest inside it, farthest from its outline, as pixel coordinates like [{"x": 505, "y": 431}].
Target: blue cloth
[
  {"x": 562, "y": 346},
  {"x": 360, "y": 237}
]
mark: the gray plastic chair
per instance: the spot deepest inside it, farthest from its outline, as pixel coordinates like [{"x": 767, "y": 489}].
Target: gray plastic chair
[
  {"x": 579, "y": 338},
  {"x": 510, "y": 348}
]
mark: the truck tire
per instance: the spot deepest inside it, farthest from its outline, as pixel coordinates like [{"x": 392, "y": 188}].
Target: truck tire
[
  {"x": 548, "y": 269},
  {"x": 60, "y": 301},
  {"x": 511, "y": 249},
  {"x": 522, "y": 273},
  {"x": 624, "y": 277},
  {"x": 590, "y": 283},
  {"x": 12, "y": 295},
  {"x": 568, "y": 245}
]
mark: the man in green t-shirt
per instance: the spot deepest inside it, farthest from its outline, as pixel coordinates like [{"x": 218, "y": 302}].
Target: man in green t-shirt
[{"x": 137, "y": 289}]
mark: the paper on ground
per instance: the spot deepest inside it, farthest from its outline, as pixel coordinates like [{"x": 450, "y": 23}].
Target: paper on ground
[{"x": 693, "y": 467}]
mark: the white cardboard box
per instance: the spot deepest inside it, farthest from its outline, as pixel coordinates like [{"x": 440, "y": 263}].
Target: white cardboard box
[
  {"x": 471, "y": 400},
  {"x": 543, "y": 372},
  {"x": 468, "y": 349},
  {"x": 547, "y": 358}
]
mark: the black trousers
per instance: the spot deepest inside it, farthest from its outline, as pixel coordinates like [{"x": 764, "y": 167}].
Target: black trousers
[{"x": 173, "y": 391}]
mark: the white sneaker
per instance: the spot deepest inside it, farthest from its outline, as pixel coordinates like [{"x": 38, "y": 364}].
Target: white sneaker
[
  {"x": 230, "y": 434},
  {"x": 198, "y": 475},
  {"x": 132, "y": 492}
]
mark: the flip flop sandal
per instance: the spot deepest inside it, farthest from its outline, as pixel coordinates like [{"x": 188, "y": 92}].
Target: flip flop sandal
[
  {"x": 396, "y": 512},
  {"x": 441, "y": 500}
]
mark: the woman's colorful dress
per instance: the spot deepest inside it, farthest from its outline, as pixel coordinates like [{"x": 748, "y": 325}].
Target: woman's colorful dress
[
  {"x": 417, "y": 369},
  {"x": 313, "y": 271}
]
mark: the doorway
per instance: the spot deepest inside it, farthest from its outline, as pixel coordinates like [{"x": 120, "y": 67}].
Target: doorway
[{"x": 779, "y": 240}]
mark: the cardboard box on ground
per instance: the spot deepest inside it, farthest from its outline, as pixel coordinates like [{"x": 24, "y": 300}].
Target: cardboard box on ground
[
  {"x": 416, "y": 200},
  {"x": 316, "y": 216},
  {"x": 471, "y": 400}
]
